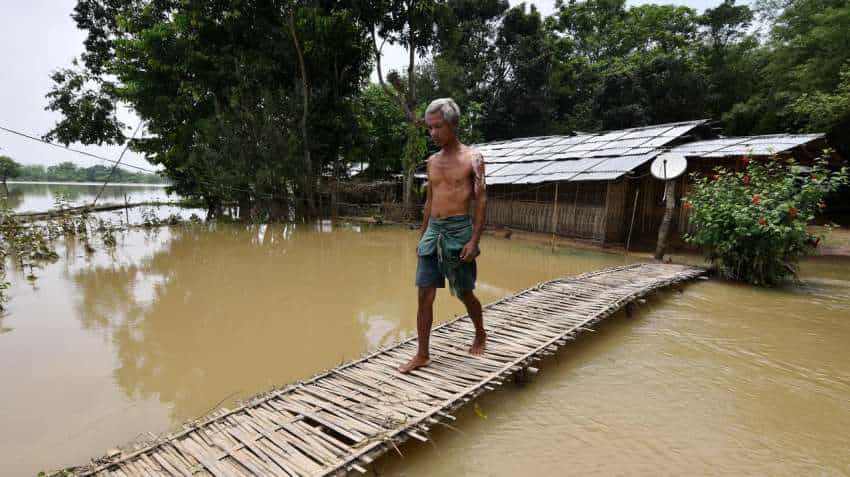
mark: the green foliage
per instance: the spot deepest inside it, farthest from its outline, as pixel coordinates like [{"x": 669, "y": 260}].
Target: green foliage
[
  {"x": 9, "y": 168},
  {"x": 30, "y": 245},
  {"x": 382, "y": 131},
  {"x": 415, "y": 148},
  {"x": 219, "y": 87},
  {"x": 801, "y": 77},
  {"x": 753, "y": 223},
  {"x": 89, "y": 106},
  {"x": 520, "y": 107},
  {"x": 599, "y": 64},
  {"x": 469, "y": 129},
  {"x": 826, "y": 111}
]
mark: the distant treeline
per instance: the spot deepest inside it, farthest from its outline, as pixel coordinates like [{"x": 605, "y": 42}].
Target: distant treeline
[{"x": 69, "y": 172}]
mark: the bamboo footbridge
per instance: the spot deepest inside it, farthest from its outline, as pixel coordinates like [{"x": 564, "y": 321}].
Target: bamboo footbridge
[{"x": 341, "y": 420}]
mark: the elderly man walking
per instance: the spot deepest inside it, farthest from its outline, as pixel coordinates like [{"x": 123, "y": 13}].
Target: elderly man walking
[{"x": 449, "y": 239}]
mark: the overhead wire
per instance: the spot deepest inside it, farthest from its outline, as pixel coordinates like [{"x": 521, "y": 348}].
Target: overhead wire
[
  {"x": 114, "y": 167},
  {"x": 207, "y": 183},
  {"x": 116, "y": 162},
  {"x": 78, "y": 151}
]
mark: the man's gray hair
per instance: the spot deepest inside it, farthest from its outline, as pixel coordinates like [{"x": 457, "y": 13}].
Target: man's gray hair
[{"x": 448, "y": 108}]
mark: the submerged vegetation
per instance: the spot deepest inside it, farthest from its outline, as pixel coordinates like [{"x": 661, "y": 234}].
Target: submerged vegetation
[
  {"x": 28, "y": 245},
  {"x": 752, "y": 223}
]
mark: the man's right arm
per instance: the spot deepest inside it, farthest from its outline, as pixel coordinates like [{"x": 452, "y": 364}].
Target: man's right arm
[{"x": 426, "y": 212}]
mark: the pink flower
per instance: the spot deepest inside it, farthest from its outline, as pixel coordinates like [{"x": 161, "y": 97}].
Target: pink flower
[
  {"x": 746, "y": 180},
  {"x": 756, "y": 199},
  {"x": 745, "y": 160},
  {"x": 762, "y": 221}
]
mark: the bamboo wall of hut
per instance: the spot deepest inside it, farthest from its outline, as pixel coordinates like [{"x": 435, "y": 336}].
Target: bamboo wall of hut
[
  {"x": 538, "y": 187},
  {"x": 600, "y": 211},
  {"x": 569, "y": 209}
]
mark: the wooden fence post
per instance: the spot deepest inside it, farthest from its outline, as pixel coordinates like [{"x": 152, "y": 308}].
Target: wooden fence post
[
  {"x": 555, "y": 212},
  {"x": 664, "y": 230}
]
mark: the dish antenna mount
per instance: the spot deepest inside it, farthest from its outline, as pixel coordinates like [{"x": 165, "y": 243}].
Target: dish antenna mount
[{"x": 669, "y": 165}]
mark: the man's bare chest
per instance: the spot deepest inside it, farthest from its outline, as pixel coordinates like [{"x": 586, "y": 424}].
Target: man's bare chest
[{"x": 451, "y": 176}]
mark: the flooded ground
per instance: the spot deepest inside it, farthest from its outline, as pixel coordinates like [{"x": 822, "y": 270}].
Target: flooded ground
[
  {"x": 721, "y": 379},
  {"x": 40, "y": 196}
]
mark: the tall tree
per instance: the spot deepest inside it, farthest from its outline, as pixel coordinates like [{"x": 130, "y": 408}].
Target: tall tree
[
  {"x": 520, "y": 103},
  {"x": 412, "y": 25},
  {"x": 382, "y": 131},
  {"x": 802, "y": 74},
  {"x": 640, "y": 59},
  {"x": 8, "y": 168},
  {"x": 728, "y": 52},
  {"x": 221, "y": 86}
]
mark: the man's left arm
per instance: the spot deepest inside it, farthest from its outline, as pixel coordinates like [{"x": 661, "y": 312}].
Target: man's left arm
[{"x": 479, "y": 189}]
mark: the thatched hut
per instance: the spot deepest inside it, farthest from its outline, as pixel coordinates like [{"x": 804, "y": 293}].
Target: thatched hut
[{"x": 598, "y": 186}]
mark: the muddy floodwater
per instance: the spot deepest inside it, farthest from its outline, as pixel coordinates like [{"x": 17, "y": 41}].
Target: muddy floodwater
[
  {"x": 41, "y": 196},
  {"x": 720, "y": 379}
]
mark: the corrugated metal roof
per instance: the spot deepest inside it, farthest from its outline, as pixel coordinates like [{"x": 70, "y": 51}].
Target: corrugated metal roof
[
  {"x": 609, "y": 155},
  {"x": 503, "y": 180},
  {"x": 623, "y": 164},
  {"x": 738, "y": 146},
  {"x": 518, "y": 168},
  {"x": 563, "y": 167},
  {"x": 492, "y": 168},
  {"x": 556, "y": 158}
]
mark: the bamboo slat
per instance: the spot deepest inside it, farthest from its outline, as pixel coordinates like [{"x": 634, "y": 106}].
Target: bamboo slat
[{"x": 340, "y": 420}]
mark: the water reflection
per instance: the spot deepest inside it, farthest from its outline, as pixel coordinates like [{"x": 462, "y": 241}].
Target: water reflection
[
  {"x": 211, "y": 313},
  {"x": 232, "y": 309},
  {"x": 12, "y": 199},
  {"x": 176, "y": 319},
  {"x": 40, "y": 196}
]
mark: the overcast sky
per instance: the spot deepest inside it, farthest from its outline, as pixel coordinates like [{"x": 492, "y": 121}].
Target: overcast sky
[{"x": 38, "y": 36}]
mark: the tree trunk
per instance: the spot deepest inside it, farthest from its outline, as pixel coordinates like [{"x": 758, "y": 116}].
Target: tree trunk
[
  {"x": 309, "y": 185},
  {"x": 214, "y": 209},
  {"x": 408, "y": 193},
  {"x": 245, "y": 209},
  {"x": 664, "y": 230}
]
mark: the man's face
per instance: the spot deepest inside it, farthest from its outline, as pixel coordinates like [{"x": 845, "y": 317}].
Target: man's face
[{"x": 439, "y": 129}]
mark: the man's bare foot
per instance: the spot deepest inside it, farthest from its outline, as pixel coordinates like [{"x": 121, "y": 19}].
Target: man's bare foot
[
  {"x": 416, "y": 362},
  {"x": 479, "y": 344}
]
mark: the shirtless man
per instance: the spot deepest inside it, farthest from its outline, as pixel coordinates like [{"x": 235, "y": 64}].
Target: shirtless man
[{"x": 449, "y": 241}]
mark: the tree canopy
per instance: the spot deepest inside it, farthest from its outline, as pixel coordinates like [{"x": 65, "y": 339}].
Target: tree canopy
[
  {"x": 256, "y": 101},
  {"x": 8, "y": 168}
]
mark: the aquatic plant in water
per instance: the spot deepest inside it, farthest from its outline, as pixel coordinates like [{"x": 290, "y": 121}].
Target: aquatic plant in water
[{"x": 31, "y": 244}]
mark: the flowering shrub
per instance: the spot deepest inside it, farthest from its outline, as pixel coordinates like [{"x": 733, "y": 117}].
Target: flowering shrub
[{"x": 752, "y": 224}]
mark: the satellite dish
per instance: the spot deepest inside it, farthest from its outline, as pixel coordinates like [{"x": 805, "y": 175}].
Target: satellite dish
[{"x": 669, "y": 165}]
